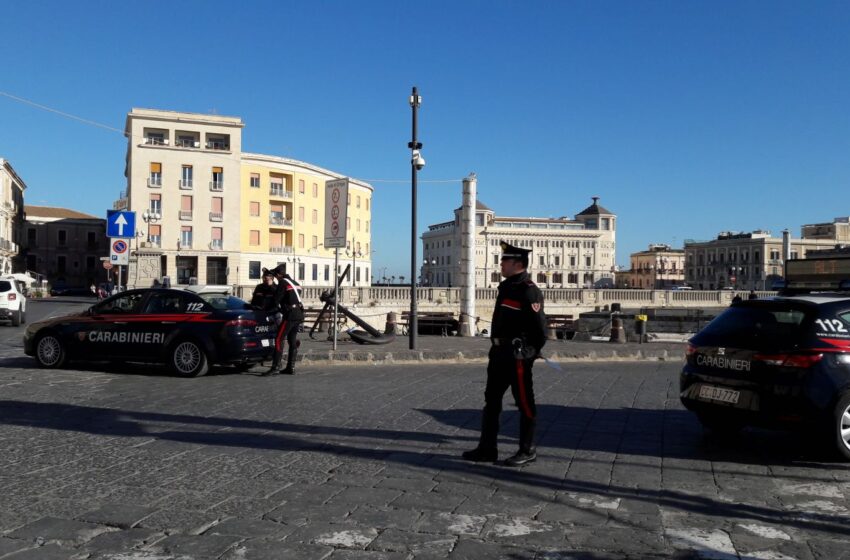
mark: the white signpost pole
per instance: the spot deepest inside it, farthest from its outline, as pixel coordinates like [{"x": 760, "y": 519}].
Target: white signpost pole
[
  {"x": 336, "y": 291},
  {"x": 336, "y": 212}
]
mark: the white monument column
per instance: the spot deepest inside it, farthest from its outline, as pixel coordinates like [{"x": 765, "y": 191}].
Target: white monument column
[{"x": 467, "y": 257}]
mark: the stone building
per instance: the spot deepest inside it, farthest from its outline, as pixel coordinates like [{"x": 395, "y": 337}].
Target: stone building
[
  {"x": 660, "y": 267},
  {"x": 12, "y": 190}
]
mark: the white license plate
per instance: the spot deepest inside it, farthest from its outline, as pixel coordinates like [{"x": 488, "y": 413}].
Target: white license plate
[
  {"x": 265, "y": 342},
  {"x": 719, "y": 394}
]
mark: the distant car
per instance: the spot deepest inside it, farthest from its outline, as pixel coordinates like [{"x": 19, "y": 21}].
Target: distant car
[
  {"x": 13, "y": 302},
  {"x": 774, "y": 362},
  {"x": 185, "y": 330}
]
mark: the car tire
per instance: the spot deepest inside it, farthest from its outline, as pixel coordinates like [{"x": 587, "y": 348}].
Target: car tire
[
  {"x": 188, "y": 359},
  {"x": 23, "y": 317},
  {"x": 16, "y": 318},
  {"x": 841, "y": 425},
  {"x": 720, "y": 423},
  {"x": 50, "y": 351}
]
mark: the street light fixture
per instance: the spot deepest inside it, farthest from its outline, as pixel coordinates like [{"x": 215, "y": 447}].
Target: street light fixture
[{"x": 417, "y": 162}]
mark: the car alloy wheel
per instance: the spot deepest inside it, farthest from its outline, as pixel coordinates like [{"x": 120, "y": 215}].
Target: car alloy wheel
[
  {"x": 842, "y": 425},
  {"x": 49, "y": 351},
  {"x": 188, "y": 359}
]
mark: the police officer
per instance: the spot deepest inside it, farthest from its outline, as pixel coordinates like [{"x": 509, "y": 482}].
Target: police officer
[
  {"x": 288, "y": 299},
  {"x": 518, "y": 335},
  {"x": 264, "y": 292}
]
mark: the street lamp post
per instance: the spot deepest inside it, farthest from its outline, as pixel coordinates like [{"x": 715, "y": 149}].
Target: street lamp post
[{"x": 417, "y": 162}]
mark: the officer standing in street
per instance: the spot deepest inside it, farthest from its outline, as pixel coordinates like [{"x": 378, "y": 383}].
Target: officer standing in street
[
  {"x": 288, "y": 299},
  {"x": 518, "y": 334},
  {"x": 264, "y": 292}
]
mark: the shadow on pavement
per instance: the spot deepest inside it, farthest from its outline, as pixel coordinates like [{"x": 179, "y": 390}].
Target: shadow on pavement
[
  {"x": 273, "y": 436},
  {"x": 154, "y": 369}
]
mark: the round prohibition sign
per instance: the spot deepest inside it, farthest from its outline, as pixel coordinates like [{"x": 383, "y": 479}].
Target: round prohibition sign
[
  {"x": 335, "y": 212},
  {"x": 335, "y": 195},
  {"x": 119, "y": 246},
  {"x": 334, "y": 228}
]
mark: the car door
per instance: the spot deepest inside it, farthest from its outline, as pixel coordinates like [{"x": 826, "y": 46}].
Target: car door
[
  {"x": 111, "y": 331},
  {"x": 163, "y": 314}
]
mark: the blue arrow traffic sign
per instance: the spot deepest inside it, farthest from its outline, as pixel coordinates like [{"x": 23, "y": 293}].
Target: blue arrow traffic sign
[{"x": 120, "y": 224}]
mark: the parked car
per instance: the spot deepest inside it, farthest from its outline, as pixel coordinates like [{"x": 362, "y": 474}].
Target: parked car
[{"x": 13, "y": 302}]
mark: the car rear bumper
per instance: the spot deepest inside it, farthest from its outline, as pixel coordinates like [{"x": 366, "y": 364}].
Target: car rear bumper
[{"x": 244, "y": 350}]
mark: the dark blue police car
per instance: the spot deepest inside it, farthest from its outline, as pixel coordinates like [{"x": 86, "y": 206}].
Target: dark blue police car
[
  {"x": 780, "y": 361},
  {"x": 186, "y": 330}
]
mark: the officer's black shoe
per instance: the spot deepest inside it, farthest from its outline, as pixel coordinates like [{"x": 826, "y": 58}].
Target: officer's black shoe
[
  {"x": 287, "y": 371},
  {"x": 274, "y": 370},
  {"x": 479, "y": 455},
  {"x": 521, "y": 458}
]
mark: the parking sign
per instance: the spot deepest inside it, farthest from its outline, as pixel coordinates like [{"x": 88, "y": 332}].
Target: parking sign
[
  {"x": 336, "y": 212},
  {"x": 119, "y": 252}
]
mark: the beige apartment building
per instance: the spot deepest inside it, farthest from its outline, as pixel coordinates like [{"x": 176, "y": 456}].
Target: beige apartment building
[
  {"x": 566, "y": 253},
  {"x": 745, "y": 261},
  {"x": 660, "y": 267},
  {"x": 64, "y": 246},
  {"x": 12, "y": 190},
  {"x": 208, "y": 213}
]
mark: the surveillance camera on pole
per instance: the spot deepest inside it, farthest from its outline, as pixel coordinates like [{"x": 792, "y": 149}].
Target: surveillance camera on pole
[{"x": 417, "y": 160}]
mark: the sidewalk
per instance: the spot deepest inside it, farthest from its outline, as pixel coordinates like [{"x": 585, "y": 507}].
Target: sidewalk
[{"x": 456, "y": 349}]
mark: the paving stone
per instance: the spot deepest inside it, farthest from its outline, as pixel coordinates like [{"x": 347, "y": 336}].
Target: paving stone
[
  {"x": 48, "y": 552},
  {"x": 180, "y": 521},
  {"x": 117, "y": 515},
  {"x": 122, "y": 541},
  {"x": 260, "y": 549},
  {"x": 428, "y": 501},
  {"x": 395, "y": 540},
  {"x": 7, "y": 546},
  {"x": 250, "y": 528},
  {"x": 62, "y": 531},
  {"x": 350, "y": 554},
  {"x": 468, "y": 549},
  {"x": 385, "y": 518},
  {"x": 205, "y": 546},
  {"x": 293, "y": 514},
  {"x": 375, "y": 497},
  {"x": 450, "y": 524}
]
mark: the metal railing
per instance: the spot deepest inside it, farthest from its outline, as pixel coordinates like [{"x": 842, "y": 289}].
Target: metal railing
[
  {"x": 187, "y": 144},
  {"x": 217, "y": 186},
  {"x": 185, "y": 214},
  {"x": 155, "y": 182},
  {"x": 155, "y": 240},
  {"x": 216, "y": 244},
  {"x": 151, "y": 141},
  {"x": 216, "y": 216},
  {"x": 282, "y": 249},
  {"x": 185, "y": 183},
  {"x": 280, "y": 192},
  {"x": 217, "y": 145},
  {"x": 279, "y": 221}
]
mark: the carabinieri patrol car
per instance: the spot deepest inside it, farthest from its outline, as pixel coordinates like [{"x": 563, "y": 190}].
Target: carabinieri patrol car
[
  {"x": 189, "y": 331},
  {"x": 779, "y": 361}
]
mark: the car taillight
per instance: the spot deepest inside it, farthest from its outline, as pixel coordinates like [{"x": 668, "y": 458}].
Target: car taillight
[
  {"x": 690, "y": 351},
  {"x": 12, "y": 297},
  {"x": 789, "y": 360},
  {"x": 241, "y": 323}
]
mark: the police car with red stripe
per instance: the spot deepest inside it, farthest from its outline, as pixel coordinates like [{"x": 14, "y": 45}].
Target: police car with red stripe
[
  {"x": 779, "y": 361},
  {"x": 189, "y": 330}
]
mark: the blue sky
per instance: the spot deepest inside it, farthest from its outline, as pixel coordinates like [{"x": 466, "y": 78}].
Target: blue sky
[{"x": 686, "y": 118}]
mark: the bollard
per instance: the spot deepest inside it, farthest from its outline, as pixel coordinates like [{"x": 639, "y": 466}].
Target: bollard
[
  {"x": 391, "y": 325},
  {"x": 618, "y": 333},
  {"x": 640, "y": 327}
]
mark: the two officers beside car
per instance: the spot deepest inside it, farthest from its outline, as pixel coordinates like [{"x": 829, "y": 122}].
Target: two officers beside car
[
  {"x": 284, "y": 300},
  {"x": 518, "y": 335}
]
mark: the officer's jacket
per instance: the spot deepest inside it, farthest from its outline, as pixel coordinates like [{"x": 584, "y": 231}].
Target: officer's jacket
[
  {"x": 519, "y": 311},
  {"x": 264, "y": 297},
  {"x": 288, "y": 297}
]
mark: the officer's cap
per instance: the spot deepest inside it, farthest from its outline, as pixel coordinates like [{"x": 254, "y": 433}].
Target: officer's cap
[
  {"x": 267, "y": 273},
  {"x": 511, "y": 252},
  {"x": 279, "y": 270}
]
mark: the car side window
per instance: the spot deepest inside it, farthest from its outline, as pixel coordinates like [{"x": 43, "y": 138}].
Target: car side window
[
  {"x": 124, "y": 304},
  {"x": 164, "y": 303}
]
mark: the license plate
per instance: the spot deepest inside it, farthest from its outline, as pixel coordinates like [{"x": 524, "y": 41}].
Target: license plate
[
  {"x": 719, "y": 394},
  {"x": 265, "y": 342}
]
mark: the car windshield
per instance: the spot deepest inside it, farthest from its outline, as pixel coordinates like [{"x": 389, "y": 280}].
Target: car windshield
[
  {"x": 223, "y": 301},
  {"x": 755, "y": 327},
  {"x": 5, "y": 286}
]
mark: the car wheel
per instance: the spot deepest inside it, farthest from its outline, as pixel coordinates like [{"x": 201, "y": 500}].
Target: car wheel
[
  {"x": 49, "y": 351},
  {"x": 23, "y": 316},
  {"x": 841, "y": 424},
  {"x": 720, "y": 422},
  {"x": 188, "y": 359},
  {"x": 16, "y": 318}
]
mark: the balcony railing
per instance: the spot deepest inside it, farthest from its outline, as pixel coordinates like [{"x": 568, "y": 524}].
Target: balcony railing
[
  {"x": 187, "y": 144},
  {"x": 185, "y": 183},
  {"x": 185, "y": 214},
  {"x": 217, "y": 244},
  {"x": 154, "y": 241},
  {"x": 278, "y": 221},
  {"x": 151, "y": 141},
  {"x": 217, "y": 186},
  {"x": 217, "y": 145},
  {"x": 216, "y": 216},
  {"x": 281, "y": 249},
  {"x": 280, "y": 192},
  {"x": 155, "y": 182}
]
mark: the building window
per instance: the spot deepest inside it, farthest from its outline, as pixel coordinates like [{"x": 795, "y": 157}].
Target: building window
[
  {"x": 217, "y": 242},
  {"x": 542, "y": 260},
  {"x": 315, "y": 192},
  {"x": 300, "y": 213},
  {"x": 91, "y": 239},
  {"x": 327, "y": 273},
  {"x": 367, "y": 204},
  {"x": 155, "y": 204},
  {"x": 254, "y": 209},
  {"x": 155, "y": 235},
  {"x": 301, "y": 271},
  {"x": 186, "y": 177},
  {"x": 155, "y": 178},
  {"x": 254, "y": 269},
  {"x": 300, "y": 240},
  {"x": 90, "y": 263},
  {"x": 217, "y": 209},
  {"x": 315, "y": 268},
  {"x": 557, "y": 260},
  {"x": 186, "y": 207},
  {"x": 300, "y": 186},
  {"x": 572, "y": 261},
  {"x": 367, "y": 226},
  {"x": 315, "y": 241},
  {"x": 315, "y": 216},
  {"x": 255, "y": 180},
  {"x": 186, "y": 236},
  {"x": 217, "y": 183},
  {"x": 62, "y": 237},
  {"x": 358, "y": 201},
  {"x": 254, "y": 237},
  {"x": 60, "y": 264}
]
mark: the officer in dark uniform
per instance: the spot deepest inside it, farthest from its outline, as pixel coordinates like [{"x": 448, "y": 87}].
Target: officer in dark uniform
[
  {"x": 518, "y": 335},
  {"x": 288, "y": 299},
  {"x": 263, "y": 297}
]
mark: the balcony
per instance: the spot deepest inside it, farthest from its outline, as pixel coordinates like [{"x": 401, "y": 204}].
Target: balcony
[
  {"x": 187, "y": 143},
  {"x": 280, "y": 192},
  {"x": 217, "y": 186},
  {"x": 218, "y": 145},
  {"x": 155, "y": 241},
  {"x": 155, "y": 182},
  {"x": 185, "y": 184},
  {"x": 216, "y": 216},
  {"x": 155, "y": 141},
  {"x": 185, "y": 214},
  {"x": 280, "y": 221},
  {"x": 282, "y": 249},
  {"x": 217, "y": 244}
]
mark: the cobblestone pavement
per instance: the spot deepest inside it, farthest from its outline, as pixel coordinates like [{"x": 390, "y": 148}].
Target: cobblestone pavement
[{"x": 127, "y": 463}]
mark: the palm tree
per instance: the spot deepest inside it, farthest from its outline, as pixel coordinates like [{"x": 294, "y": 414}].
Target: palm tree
[{"x": 401, "y": 279}]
